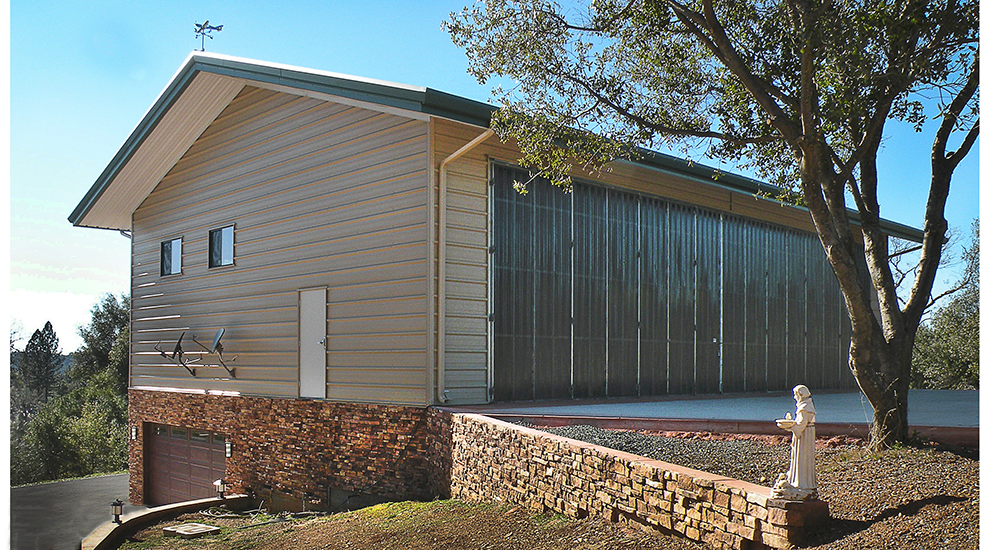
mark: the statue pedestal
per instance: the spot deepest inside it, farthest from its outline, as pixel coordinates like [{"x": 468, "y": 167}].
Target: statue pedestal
[{"x": 793, "y": 519}]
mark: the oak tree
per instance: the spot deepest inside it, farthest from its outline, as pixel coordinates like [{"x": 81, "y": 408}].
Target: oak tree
[{"x": 799, "y": 91}]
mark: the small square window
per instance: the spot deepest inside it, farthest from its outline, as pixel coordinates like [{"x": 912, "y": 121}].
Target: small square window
[
  {"x": 220, "y": 246},
  {"x": 170, "y": 257}
]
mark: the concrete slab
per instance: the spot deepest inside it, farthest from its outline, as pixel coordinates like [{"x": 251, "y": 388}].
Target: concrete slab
[{"x": 940, "y": 408}]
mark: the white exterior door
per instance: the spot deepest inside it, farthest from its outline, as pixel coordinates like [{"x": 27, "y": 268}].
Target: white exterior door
[{"x": 312, "y": 342}]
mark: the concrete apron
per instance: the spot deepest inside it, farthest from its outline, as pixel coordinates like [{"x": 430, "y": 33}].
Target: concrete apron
[{"x": 963, "y": 437}]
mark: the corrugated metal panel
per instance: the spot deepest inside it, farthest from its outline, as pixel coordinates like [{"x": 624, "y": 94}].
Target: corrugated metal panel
[
  {"x": 683, "y": 276},
  {"x": 590, "y": 285},
  {"x": 756, "y": 321},
  {"x": 510, "y": 342},
  {"x": 623, "y": 293},
  {"x": 735, "y": 322},
  {"x": 653, "y": 291},
  {"x": 817, "y": 331},
  {"x": 798, "y": 323},
  {"x": 321, "y": 195},
  {"x": 775, "y": 244},
  {"x": 553, "y": 298},
  {"x": 707, "y": 289}
]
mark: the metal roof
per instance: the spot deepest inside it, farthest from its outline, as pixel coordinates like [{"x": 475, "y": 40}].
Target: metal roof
[{"x": 161, "y": 138}]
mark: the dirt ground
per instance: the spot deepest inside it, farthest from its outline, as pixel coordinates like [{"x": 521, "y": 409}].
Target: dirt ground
[{"x": 445, "y": 524}]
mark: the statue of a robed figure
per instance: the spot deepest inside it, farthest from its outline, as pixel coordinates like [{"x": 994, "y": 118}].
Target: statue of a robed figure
[{"x": 799, "y": 482}]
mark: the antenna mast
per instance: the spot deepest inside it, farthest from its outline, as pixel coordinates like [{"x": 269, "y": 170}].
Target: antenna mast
[{"x": 203, "y": 30}]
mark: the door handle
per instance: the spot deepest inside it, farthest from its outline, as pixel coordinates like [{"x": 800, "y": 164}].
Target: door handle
[{"x": 322, "y": 342}]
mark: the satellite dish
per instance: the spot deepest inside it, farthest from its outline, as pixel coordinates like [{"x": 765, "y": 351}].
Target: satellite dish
[
  {"x": 217, "y": 341},
  {"x": 178, "y": 350}
]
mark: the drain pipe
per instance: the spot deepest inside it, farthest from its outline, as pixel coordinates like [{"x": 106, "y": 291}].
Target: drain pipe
[{"x": 442, "y": 233}]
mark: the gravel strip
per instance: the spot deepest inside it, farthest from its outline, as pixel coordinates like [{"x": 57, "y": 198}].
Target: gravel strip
[
  {"x": 747, "y": 460},
  {"x": 904, "y": 498}
]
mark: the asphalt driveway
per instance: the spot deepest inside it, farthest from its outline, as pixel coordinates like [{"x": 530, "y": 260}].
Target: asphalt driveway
[{"x": 58, "y": 515}]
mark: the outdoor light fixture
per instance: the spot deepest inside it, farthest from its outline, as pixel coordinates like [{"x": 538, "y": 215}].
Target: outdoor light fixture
[
  {"x": 116, "y": 510},
  {"x": 221, "y": 487},
  {"x": 229, "y": 449},
  {"x": 135, "y": 433}
]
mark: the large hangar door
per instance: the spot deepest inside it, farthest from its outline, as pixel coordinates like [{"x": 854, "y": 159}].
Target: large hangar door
[{"x": 532, "y": 290}]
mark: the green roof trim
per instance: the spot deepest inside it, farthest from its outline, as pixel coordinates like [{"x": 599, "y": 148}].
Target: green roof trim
[{"x": 411, "y": 98}]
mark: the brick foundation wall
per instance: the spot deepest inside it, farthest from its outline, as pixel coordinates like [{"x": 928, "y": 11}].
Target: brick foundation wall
[
  {"x": 492, "y": 460},
  {"x": 299, "y": 450}
]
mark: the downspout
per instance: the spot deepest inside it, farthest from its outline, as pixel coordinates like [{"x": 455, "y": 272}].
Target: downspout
[{"x": 442, "y": 232}]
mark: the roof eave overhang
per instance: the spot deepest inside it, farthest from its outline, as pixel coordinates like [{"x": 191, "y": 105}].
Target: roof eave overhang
[{"x": 411, "y": 98}]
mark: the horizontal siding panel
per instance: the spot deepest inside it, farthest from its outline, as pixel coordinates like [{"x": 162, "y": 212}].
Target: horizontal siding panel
[
  {"x": 377, "y": 342},
  {"x": 466, "y": 307},
  {"x": 466, "y": 237},
  {"x": 262, "y": 162},
  {"x": 471, "y": 255},
  {"x": 321, "y": 195},
  {"x": 466, "y": 272},
  {"x": 408, "y": 395},
  {"x": 465, "y": 325},
  {"x": 374, "y": 308},
  {"x": 375, "y": 375},
  {"x": 364, "y": 325},
  {"x": 469, "y": 378},
  {"x": 465, "y": 360},
  {"x": 381, "y": 359},
  {"x": 345, "y": 295},
  {"x": 465, "y": 289},
  {"x": 463, "y": 342}
]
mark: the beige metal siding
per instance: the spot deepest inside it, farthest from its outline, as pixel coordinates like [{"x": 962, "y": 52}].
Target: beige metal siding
[
  {"x": 467, "y": 275},
  {"x": 321, "y": 194}
]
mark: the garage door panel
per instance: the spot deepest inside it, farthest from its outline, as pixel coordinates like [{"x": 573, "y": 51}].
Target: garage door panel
[{"x": 182, "y": 463}]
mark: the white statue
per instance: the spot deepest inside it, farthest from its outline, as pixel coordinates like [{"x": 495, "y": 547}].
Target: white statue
[{"x": 799, "y": 483}]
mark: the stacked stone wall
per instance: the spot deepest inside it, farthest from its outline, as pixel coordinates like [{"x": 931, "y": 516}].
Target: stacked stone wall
[{"x": 494, "y": 460}]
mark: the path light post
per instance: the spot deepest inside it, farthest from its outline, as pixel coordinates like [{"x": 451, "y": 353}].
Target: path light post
[
  {"x": 221, "y": 487},
  {"x": 116, "y": 510}
]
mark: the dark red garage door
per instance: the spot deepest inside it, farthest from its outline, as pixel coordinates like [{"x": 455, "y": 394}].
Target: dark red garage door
[{"x": 182, "y": 463}]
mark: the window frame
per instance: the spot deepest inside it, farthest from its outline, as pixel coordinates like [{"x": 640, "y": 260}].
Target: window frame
[
  {"x": 178, "y": 255},
  {"x": 221, "y": 230}
]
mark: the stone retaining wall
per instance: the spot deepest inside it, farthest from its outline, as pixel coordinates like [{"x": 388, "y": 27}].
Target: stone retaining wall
[
  {"x": 496, "y": 461},
  {"x": 310, "y": 453}
]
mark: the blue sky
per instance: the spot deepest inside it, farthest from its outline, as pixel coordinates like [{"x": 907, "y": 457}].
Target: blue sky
[{"x": 84, "y": 73}]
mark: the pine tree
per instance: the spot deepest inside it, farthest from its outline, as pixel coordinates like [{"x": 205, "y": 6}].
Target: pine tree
[{"x": 38, "y": 365}]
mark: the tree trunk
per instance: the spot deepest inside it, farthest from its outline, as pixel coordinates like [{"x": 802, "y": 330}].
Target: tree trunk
[{"x": 883, "y": 374}]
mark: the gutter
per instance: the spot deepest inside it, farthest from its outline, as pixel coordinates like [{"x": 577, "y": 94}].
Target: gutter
[{"x": 441, "y": 271}]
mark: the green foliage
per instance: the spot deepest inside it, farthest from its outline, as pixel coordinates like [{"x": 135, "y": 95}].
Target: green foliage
[
  {"x": 82, "y": 430},
  {"x": 946, "y": 348},
  {"x": 105, "y": 341},
  {"x": 38, "y": 366},
  {"x": 601, "y": 78}
]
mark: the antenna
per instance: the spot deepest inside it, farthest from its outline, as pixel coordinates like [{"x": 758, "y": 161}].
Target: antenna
[
  {"x": 177, "y": 355},
  {"x": 217, "y": 349},
  {"x": 203, "y": 30}
]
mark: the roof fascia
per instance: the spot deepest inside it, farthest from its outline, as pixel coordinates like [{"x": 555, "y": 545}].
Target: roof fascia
[{"x": 400, "y": 96}]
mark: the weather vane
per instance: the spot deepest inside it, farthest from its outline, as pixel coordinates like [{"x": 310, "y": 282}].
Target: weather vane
[{"x": 203, "y": 30}]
